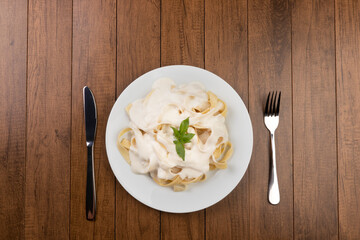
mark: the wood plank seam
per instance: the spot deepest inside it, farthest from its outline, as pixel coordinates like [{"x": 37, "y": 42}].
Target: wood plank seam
[
  {"x": 248, "y": 78},
  {"x": 115, "y": 97},
  {"x": 336, "y": 123},
  {"x": 71, "y": 108}
]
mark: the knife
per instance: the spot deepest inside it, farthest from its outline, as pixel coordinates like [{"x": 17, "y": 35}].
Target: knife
[{"x": 90, "y": 129}]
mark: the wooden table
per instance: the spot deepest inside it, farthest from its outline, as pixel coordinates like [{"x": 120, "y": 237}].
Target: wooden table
[{"x": 310, "y": 50}]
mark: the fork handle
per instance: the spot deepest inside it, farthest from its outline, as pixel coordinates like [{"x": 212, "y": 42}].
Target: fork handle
[{"x": 274, "y": 193}]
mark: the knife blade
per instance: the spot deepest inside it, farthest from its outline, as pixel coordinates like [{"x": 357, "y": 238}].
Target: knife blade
[{"x": 90, "y": 115}]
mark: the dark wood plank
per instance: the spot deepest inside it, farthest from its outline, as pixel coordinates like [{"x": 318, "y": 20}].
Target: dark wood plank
[
  {"x": 348, "y": 114},
  {"x": 13, "y": 39},
  {"x": 314, "y": 119},
  {"x": 226, "y": 55},
  {"x": 182, "y": 32},
  {"x": 47, "y": 201},
  {"x": 138, "y": 51},
  {"x": 94, "y": 65},
  {"x": 269, "y": 70},
  {"x": 182, "y": 42}
]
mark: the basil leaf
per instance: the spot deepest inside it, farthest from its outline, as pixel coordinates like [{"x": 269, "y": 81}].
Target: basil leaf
[
  {"x": 176, "y": 133},
  {"x": 184, "y": 126},
  {"x": 187, "y": 137},
  {"x": 180, "y": 150},
  {"x": 182, "y": 137}
]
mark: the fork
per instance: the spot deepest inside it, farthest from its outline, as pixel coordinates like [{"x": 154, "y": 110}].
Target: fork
[{"x": 272, "y": 121}]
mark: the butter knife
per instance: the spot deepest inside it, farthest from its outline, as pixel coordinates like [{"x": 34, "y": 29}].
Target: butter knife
[{"x": 90, "y": 129}]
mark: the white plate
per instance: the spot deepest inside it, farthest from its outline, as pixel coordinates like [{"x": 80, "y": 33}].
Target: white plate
[{"x": 220, "y": 182}]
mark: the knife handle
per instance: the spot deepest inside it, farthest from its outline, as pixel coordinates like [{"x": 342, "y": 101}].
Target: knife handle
[{"x": 90, "y": 185}]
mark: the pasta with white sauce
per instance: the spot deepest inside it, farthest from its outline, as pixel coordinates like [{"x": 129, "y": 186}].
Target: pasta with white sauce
[{"x": 148, "y": 143}]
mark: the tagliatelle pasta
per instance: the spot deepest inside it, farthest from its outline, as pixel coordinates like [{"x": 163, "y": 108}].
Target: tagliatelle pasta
[{"x": 148, "y": 143}]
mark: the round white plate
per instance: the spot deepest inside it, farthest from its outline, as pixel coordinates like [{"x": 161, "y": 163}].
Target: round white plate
[{"x": 198, "y": 195}]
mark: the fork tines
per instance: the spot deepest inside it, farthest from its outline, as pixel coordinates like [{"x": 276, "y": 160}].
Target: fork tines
[{"x": 272, "y": 104}]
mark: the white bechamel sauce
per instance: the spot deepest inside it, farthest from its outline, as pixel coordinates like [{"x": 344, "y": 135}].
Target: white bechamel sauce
[{"x": 169, "y": 104}]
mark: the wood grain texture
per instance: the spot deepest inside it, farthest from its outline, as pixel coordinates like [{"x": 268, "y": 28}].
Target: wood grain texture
[
  {"x": 348, "y": 114},
  {"x": 182, "y": 32},
  {"x": 13, "y": 42},
  {"x": 226, "y": 55},
  {"x": 270, "y": 70},
  {"x": 94, "y": 65},
  {"x": 182, "y": 42},
  {"x": 315, "y": 163},
  {"x": 47, "y": 203},
  {"x": 138, "y": 51}
]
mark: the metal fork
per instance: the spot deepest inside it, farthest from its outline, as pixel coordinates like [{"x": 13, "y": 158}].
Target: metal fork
[{"x": 272, "y": 121}]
